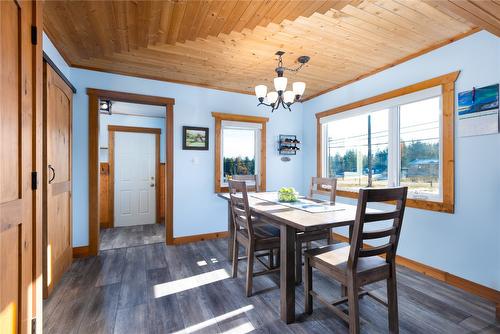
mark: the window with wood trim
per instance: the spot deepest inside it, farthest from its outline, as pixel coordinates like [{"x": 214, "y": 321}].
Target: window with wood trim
[
  {"x": 240, "y": 148},
  {"x": 404, "y": 137}
]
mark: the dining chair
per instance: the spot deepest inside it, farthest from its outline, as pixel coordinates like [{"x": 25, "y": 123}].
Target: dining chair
[
  {"x": 252, "y": 234},
  {"x": 356, "y": 264},
  {"x": 250, "y": 180},
  {"x": 325, "y": 187}
]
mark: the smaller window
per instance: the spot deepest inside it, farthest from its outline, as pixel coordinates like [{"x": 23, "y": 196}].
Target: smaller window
[{"x": 240, "y": 148}]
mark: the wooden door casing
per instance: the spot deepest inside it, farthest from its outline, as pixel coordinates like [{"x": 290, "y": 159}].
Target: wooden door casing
[
  {"x": 18, "y": 140},
  {"x": 57, "y": 231}
]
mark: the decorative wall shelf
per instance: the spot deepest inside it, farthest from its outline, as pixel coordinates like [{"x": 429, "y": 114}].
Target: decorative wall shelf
[{"x": 288, "y": 145}]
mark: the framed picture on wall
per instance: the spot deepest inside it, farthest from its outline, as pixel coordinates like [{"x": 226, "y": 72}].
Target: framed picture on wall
[{"x": 194, "y": 138}]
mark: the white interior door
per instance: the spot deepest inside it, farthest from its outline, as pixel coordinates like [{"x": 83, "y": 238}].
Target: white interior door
[{"x": 135, "y": 184}]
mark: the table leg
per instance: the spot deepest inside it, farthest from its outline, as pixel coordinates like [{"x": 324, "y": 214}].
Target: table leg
[
  {"x": 230, "y": 229},
  {"x": 287, "y": 274}
]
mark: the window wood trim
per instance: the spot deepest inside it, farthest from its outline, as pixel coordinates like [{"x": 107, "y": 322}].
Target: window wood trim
[
  {"x": 447, "y": 83},
  {"x": 219, "y": 117}
]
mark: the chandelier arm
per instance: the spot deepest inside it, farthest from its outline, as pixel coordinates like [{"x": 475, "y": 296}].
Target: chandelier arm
[{"x": 293, "y": 69}]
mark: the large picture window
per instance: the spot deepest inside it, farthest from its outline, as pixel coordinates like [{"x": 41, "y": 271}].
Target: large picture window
[{"x": 404, "y": 137}]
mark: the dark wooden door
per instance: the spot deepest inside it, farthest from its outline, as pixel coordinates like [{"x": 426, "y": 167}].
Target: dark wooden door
[
  {"x": 17, "y": 137},
  {"x": 57, "y": 239}
]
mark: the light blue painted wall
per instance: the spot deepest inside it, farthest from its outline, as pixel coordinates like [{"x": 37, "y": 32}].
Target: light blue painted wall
[
  {"x": 466, "y": 243},
  {"x": 128, "y": 120},
  {"x": 56, "y": 57},
  {"x": 193, "y": 182}
]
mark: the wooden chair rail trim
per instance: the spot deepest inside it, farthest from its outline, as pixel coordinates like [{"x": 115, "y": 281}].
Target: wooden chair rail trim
[
  {"x": 122, "y": 128},
  {"x": 456, "y": 281}
]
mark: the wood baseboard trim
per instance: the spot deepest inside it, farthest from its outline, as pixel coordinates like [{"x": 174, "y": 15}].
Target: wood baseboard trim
[
  {"x": 200, "y": 237},
  {"x": 82, "y": 251},
  {"x": 458, "y": 282}
]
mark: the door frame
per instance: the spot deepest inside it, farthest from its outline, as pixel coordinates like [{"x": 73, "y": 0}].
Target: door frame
[
  {"x": 111, "y": 161},
  {"x": 94, "y": 207}
]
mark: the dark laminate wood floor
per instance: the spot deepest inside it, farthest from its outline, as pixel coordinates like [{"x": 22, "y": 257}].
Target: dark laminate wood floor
[
  {"x": 187, "y": 289},
  {"x": 120, "y": 237}
]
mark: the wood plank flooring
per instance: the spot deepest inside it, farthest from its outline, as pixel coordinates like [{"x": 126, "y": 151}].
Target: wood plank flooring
[
  {"x": 130, "y": 236},
  {"x": 188, "y": 289}
]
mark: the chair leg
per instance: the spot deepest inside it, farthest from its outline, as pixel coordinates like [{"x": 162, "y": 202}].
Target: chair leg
[
  {"x": 392, "y": 302},
  {"x": 308, "y": 306},
  {"x": 250, "y": 258},
  {"x": 329, "y": 239},
  {"x": 298, "y": 262},
  {"x": 271, "y": 258},
  {"x": 353, "y": 301},
  {"x": 236, "y": 248}
]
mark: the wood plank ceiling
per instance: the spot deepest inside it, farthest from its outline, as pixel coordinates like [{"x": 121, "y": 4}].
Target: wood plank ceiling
[{"x": 230, "y": 45}]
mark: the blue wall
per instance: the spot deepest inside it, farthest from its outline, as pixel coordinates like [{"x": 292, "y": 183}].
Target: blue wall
[
  {"x": 129, "y": 120},
  {"x": 467, "y": 243},
  {"x": 193, "y": 170}
]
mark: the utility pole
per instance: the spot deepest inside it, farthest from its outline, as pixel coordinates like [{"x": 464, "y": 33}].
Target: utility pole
[{"x": 369, "y": 151}]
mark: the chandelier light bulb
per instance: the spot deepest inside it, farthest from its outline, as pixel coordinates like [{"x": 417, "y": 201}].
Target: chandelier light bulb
[
  {"x": 281, "y": 97},
  {"x": 299, "y": 88},
  {"x": 261, "y": 91},
  {"x": 288, "y": 97},
  {"x": 280, "y": 84},
  {"x": 272, "y": 97}
]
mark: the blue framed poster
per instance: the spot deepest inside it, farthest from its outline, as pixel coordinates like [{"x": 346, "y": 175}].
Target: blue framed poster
[{"x": 478, "y": 111}]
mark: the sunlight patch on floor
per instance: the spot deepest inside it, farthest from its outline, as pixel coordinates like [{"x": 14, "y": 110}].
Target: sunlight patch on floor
[
  {"x": 213, "y": 321},
  {"x": 169, "y": 288},
  {"x": 241, "y": 329}
]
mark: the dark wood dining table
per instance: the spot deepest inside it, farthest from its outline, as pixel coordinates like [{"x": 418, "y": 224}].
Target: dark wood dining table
[{"x": 290, "y": 220}]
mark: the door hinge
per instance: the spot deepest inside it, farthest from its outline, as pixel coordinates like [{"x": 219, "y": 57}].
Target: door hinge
[
  {"x": 34, "y": 180},
  {"x": 33, "y": 326},
  {"x": 34, "y": 35}
]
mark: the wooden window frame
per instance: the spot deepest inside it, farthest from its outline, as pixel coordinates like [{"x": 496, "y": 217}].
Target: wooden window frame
[
  {"x": 447, "y": 83},
  {"x": 219, "y": 117}
]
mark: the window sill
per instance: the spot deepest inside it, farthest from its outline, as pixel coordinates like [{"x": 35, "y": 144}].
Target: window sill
[{"x": 411, "y": 202}]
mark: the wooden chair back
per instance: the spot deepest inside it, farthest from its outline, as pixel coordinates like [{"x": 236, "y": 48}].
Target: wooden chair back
[
  {"x": 397, "y": 195},
  {"x": 240, "y": 208},
  {"x": 250, "y": 180},
  {"x": 323, "y": 186}
]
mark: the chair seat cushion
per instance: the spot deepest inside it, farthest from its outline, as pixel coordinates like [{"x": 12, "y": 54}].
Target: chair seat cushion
[{"x": 335, "y": 257}]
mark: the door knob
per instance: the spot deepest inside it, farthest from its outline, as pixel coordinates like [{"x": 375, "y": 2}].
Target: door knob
[{"x": 152, "y": 185}]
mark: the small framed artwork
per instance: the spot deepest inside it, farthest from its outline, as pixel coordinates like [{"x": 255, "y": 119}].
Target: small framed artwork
[{"x": 194, "y": 138}]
